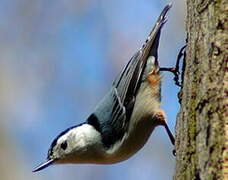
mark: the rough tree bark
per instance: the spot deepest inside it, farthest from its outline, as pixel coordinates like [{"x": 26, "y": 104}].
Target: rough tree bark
[{"x": 202, "y": 124}]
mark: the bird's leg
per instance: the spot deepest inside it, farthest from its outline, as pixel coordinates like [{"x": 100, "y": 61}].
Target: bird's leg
[
  {"x": 175, "y": 70},
  {"x": 160, "y": 116}
]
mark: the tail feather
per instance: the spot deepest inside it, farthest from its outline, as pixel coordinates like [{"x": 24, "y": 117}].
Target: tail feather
[
  {"x": 129, "y": 80},
  {"x": 150, "y": 46}
]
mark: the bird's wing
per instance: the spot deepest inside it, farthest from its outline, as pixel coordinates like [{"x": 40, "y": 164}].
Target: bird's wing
[{"x": 113, "y": 113}]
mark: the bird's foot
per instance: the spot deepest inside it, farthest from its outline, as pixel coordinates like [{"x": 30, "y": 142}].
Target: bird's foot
[
  {"x": 161, "y": 117},
  {"x": 175, "y": 70}
]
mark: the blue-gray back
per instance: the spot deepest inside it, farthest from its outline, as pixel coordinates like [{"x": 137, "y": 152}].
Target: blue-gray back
[{"x": 112, "y": 115}]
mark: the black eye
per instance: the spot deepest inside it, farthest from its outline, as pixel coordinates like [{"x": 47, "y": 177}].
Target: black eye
[{"x": 64, "y": 145}]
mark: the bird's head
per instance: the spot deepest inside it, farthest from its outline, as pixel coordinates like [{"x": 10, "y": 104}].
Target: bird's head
[{"x": 74, "y": 145}]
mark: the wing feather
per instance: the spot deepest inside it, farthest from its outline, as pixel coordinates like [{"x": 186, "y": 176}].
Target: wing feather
[{"x": 114, "y": 111}]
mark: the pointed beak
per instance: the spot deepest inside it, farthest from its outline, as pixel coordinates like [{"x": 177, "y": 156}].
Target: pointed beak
[{"x": 43, "y": 165}]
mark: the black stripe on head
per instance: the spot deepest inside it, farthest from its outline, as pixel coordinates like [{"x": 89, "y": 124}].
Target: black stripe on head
[{"x": 54, "y": 142}]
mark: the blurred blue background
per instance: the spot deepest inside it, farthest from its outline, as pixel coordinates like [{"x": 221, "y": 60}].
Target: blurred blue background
[{"x": 58, "y": 58}]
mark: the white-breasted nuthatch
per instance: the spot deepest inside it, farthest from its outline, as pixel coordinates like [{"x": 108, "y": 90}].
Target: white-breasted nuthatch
[{"x": 124, "y": 119}]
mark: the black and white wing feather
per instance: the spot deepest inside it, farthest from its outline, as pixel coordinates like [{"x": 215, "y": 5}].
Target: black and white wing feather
[{"x": 111, "y": 116}]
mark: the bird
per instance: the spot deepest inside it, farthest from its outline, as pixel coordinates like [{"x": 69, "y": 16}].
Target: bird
[{"x": 124, "y": 119}]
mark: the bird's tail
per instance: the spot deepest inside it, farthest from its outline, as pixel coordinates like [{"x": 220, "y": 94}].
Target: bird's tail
[
  {"x": 138, "y": 68},
  {"x": 150, "y": 47}
]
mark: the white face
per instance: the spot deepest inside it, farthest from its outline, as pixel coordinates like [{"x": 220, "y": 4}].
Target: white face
[{"x": 73, "y": 143}]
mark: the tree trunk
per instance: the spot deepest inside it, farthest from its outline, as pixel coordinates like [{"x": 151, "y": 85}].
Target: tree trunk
[{"x": 202, "y": 125}]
